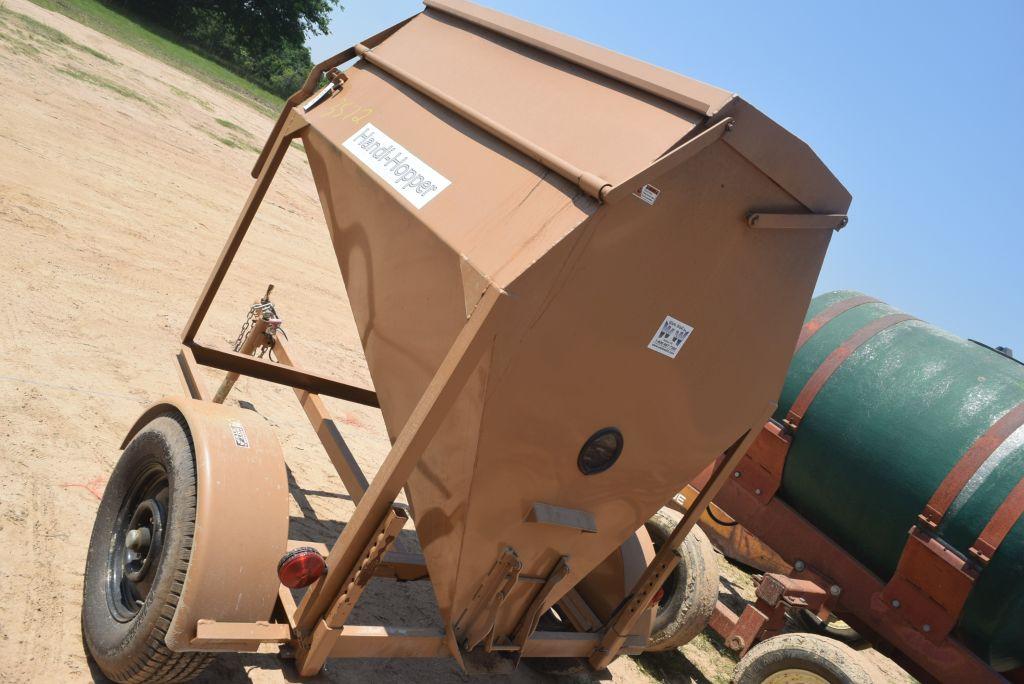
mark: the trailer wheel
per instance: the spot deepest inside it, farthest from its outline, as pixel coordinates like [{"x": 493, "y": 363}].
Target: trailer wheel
[
  {"x": 802, "y": 658},
  {"x": 138, "y": 557},
  {"x": 835, "y": 628},
  {"x": 690, "y": 591}
]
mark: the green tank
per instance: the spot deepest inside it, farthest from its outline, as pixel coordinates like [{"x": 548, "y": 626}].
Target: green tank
[{"x": 881, "y": 435}]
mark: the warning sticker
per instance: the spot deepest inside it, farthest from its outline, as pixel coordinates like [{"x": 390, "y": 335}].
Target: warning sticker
[
  {"x": 238, "y": 432},
  {"x": 648, "y": 194},
  {"x": 671, "y": 336}
]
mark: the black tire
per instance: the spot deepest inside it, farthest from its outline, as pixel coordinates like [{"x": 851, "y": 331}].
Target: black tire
[
  {"x": 691, "y": 591},
  {"x": 785, "y": 657},
  {"x": 834, "y": 628},
  {"x": 132, "y": 587}
]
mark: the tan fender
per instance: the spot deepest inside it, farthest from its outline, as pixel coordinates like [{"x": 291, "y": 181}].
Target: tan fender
[{"x": 241, "y": 519}]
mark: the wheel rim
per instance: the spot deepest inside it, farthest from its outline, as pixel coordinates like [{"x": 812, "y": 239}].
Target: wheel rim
[
  {"x": 137, "y": 542},
  {"x": 794, "y": 676}
]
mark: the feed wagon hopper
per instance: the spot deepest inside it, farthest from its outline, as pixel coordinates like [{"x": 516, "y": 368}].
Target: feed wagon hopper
[{"x": 577, "y": 279}]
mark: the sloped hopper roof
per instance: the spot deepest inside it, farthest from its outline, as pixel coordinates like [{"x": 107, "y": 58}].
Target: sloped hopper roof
[{"x": 604, "y": 198}]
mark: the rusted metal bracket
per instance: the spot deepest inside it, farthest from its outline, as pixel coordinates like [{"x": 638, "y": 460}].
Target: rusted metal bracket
[
  {"x": 975, "y": 456},
  {"x": 828, "y": 314},
  {"x": 776, "y": 594},
  {"x": 933, "y": 581},
  {"x": 832, "y": 363},
  {"x": 999, "y": 525},
  {"x": 760, "y": 470},
  {"x": 930, "y": 586}
]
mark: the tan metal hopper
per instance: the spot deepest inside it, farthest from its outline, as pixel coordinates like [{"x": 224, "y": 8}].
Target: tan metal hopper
[
  {"x": 548, "y": 144},
  {"x": 578, "y": 281}
]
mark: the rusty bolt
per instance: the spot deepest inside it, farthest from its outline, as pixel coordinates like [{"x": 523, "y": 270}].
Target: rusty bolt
[
  {"x": 799, "y": 566},
  {"x": 835, "y": 590},
  {"x": 895, "y": 603},
  {"x": 735, "y": 642}
]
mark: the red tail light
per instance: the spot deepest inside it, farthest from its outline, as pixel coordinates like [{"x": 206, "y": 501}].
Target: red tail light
[{"x": 301, "y": 567}]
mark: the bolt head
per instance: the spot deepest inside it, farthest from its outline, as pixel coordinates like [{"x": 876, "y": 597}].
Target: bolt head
[
  {"x": 895, "y": 603},
  {"x": 758, "y": 491},
  {"x": 926, "y": 628},
  {"x": 835, "y": 590},
  {"x": 799, "y": 566},
  {"x": 737, "y": 474}
]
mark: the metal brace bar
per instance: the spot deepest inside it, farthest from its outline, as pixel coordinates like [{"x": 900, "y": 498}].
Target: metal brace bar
[
  {"x": 330, "y": 436},
  {"x": 667, "y": 557},
  {"x": 314, "y": 651}
]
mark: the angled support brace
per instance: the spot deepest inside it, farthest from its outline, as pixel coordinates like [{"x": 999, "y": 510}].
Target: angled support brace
[
  {"x": 469, "y": 346},
  {"x": 667, "y": 558}
]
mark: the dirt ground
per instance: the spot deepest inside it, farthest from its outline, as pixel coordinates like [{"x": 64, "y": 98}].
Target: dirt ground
[{"x": 120, "y": 178}]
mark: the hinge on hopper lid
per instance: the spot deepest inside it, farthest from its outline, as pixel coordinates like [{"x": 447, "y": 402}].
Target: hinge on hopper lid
[{"x": 335, "y": 82}]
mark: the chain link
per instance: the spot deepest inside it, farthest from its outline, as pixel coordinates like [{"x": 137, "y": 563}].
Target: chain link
[{"x": 263, "y": 310}]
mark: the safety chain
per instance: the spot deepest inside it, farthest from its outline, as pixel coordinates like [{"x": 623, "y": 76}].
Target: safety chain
[{"x": 262, "y": 310}]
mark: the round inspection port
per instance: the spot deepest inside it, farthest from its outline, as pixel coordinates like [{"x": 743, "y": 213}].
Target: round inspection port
[{"x": 600, "y": 451}]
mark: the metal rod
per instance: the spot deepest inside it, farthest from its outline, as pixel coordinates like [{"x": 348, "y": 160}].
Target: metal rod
[
  {"x": 188, "y": 374},
  {"x": 589, "y": 183},
  {"x": 248, "y": 346},
  {"x": 330, "y": 436},
  {"x": 294, "y": 123},
  {"x": 472, "y": 341},
  {"x": 282, "y": 375},
  {"x": 667, "y": 557}
]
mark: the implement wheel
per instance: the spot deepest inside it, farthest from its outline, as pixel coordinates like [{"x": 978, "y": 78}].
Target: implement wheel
[
  {"x": 138, "y": 556},
  {"x": 802, "y": 659},
  {"x": 690, "y": 592}
]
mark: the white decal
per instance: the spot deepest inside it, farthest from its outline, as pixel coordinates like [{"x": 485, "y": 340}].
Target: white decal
[
  {"x": 404, "y": 171},
  {"x": 671, "y": 336},
  {"x": 648, "y": 194},
  {"x": 238, "y": 432}
]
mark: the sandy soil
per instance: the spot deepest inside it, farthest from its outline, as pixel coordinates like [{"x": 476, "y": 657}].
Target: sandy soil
[{"x": 118, "y": 186}]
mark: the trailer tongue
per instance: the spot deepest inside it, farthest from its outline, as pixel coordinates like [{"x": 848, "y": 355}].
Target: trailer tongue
[{"x": 578, "y": 280}]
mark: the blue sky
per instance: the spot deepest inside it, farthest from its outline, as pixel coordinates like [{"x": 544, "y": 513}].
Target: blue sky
[{"x": 915, "y": 106}]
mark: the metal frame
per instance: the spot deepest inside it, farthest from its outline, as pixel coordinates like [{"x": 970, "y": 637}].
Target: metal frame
[
  {"x": 315, "y": 629},
  {"x": 850, "y": 590}
]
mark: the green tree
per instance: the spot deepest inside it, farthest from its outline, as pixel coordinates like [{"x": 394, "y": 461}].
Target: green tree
[{"x": 263, "y": 40}]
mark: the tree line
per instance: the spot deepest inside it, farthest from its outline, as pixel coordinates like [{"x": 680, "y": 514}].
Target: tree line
[{"x": 261, "y": 40}]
